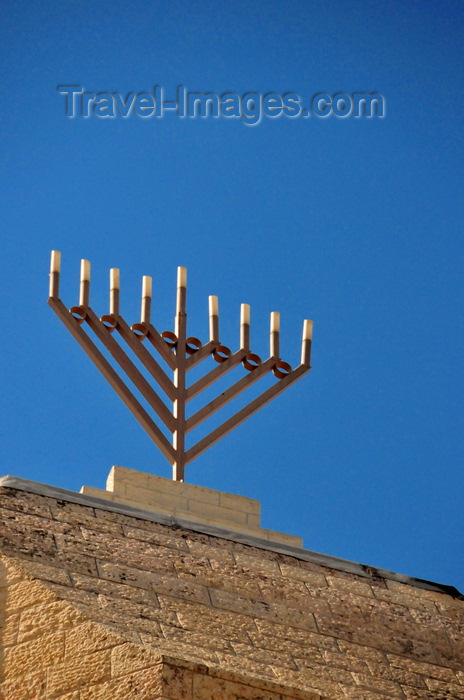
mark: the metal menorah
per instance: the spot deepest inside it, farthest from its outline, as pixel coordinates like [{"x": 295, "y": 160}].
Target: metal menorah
[{"x": 180, "y": 353}]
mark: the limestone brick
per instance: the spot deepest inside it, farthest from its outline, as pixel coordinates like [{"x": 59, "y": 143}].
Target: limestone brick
[
  {"x": 24, "y": 502},
  {"x": 156, "y": 538},
  {"x": 234, "y": 626},
  {"x": 95, "y": 638},
  {"x": 215, "y": 578},
  {"x": 295, "y": 571},
  {"x": 280, "y": 537},
  {"x": 247, "y": 505},
  {"x": 310, "y": 682},
  {"x": 452, "y": 690},
  {"x": 45, "y": 618},
  {"x": 389, "y": 688},
  {"x": 73, "y": 673},
  {"x": 270, "y": 635},
  {"x": 22, "y": 595},
  {"x": 75, "y": 514},
  {"x": 127, "y": 658},
  {"x": 215, "y": 549},
  {"x": 9, "y": 624},
  {"x": 198, "y": 639},
  {"x": 118, "y": 476},
  {"x": 45, "y": 649},
  {"x": 256, "y": 565},
  {"x": 177, "y": 682},
  {"x": 352, "y": 585},
  {"x": 30, "y": 685},
  {"x": 210, "y": 688}
]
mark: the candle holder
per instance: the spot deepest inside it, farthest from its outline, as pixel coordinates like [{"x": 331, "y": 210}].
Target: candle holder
[{"x": 180, "y": 353}]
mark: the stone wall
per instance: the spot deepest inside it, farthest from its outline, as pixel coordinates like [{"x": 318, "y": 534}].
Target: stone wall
[{"x": 98, "y": 604}]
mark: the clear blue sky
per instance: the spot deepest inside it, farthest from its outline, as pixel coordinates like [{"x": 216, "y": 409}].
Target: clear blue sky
[{"x": 355, "y": 223}]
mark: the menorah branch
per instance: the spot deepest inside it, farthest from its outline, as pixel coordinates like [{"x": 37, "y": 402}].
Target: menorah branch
[
  {"x": 244, "y": 413},
  {"x": 129, "y": 368},
  {"x": 233, "y": 391},
  {"x": 159, "y": 344},
  {"x": 215, "y": 373},
  {"x": 145, "y": 358},
  {"x": 200, "y": 355},
  {"x": 110, "y": 375}
]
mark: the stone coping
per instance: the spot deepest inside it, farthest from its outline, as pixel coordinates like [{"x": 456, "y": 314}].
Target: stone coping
[{"x": 326, "y": 560}]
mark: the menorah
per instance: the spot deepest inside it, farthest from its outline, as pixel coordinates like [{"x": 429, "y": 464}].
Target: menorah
[{"x": 180, "y": 353}]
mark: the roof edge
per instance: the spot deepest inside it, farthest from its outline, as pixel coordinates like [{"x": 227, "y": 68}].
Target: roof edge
[{"x": 327, "y": 560}]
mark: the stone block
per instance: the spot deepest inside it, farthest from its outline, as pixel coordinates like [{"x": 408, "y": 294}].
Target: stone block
[
  {"x": 77, "y": 672},
  {"x": 350, "y": 584},
  {"x": 41, "y": 652},
  {"x": 30, "y": 685},
  {"x": 46, "y": 617},
  {"x": 156, "y": 538},
  {"x": 127, "y": 658},
  {"x": 89, "y": 637},
  {"x": 247, "y": 505},
  {"x": 24, "y": 502},
  {"x": 314, "y": 579},
  {"x": 27, "y": 593}
]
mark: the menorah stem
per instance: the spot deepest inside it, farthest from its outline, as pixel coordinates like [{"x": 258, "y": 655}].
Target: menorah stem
[
  {"x": 55, "y": 264},
  {"x": 145, "y": 312},
  {"x": 178, "y": 438},
  {"x": 84, "y": 289},
  {"x": 114, "y": 291}
]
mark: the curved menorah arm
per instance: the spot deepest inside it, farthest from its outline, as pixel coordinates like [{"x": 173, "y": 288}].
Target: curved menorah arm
[
  {"x": 229, "y": 394},
  {"x": 244, "y": 413},
  {"x": 129, "y": 368},
  {"x": 215, "y": 373},
  {"x": 110, "y": 375},
  {"x": 145, "y": 357},
  {"x": 159, "y": 344},
  {"x": 200, "y": 354}
]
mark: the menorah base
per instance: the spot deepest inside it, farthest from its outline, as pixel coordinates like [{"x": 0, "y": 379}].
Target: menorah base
[{"x": 188, "y": 502}]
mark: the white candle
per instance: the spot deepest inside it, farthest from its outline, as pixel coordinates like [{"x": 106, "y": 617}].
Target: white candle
[
  {"x": 85, "y": 271},
  {"x": 181, "y": 276},
  {"x": 55, "y": 262},
  {"x": 213, "y": 306},
  {"x": 245, "y": 314},
  {"x": 307, "y": 330},
  {"x": 146, "y": 286},
  {"x": 114, "y": 278},
  {"x": 275, "y": 322}
]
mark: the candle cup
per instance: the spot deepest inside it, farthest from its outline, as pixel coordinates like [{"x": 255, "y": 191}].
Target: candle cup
[
  {"x": 55, "y": 266},
  {"x": 145, "y": 312},
  {"x": 84, "y": 294},
  {"x": 181, "y": 290},
  {"x": 275, "y": 334},
  {"x": 114, "y": 291},
  {"x": 213, "y": 319},
  {"x": 245, "y": 327},
  {"x": 306, "y": 343}
]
